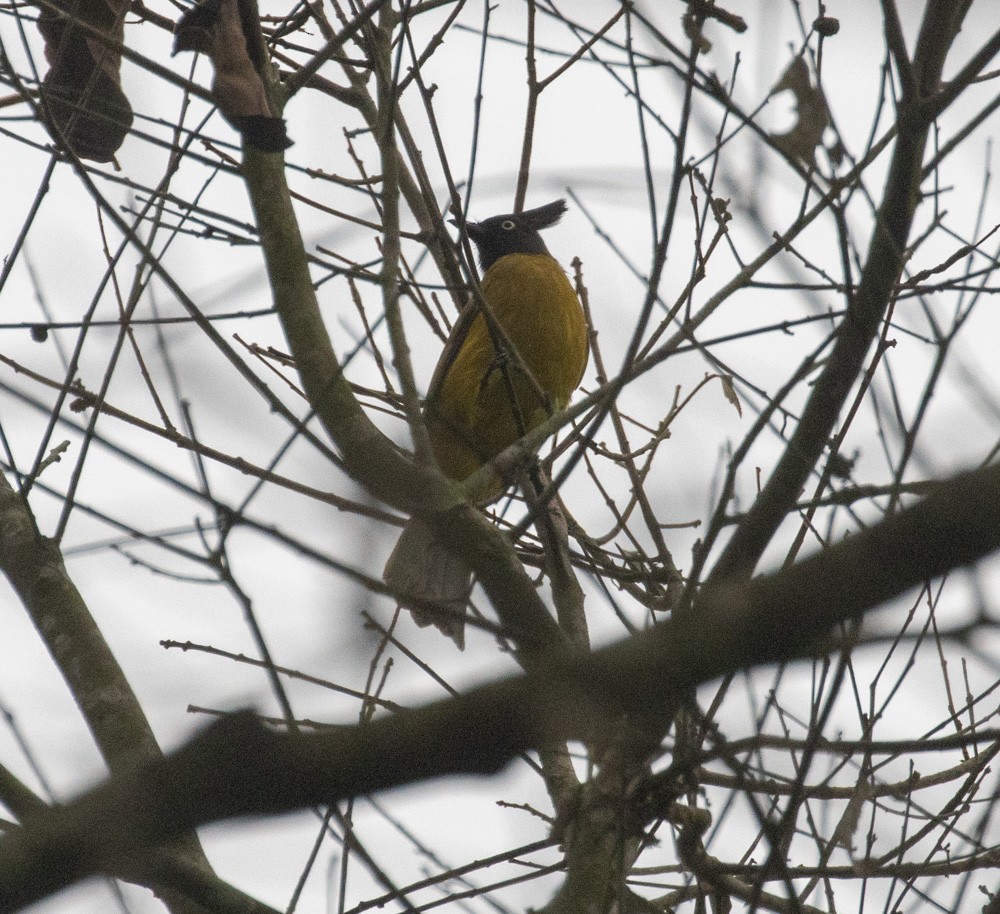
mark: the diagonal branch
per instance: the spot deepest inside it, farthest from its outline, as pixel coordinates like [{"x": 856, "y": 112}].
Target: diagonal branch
[
  {"x": 857, "y": 331},
  {"x": 369, "y": 456},
  {"x": 238, "y": 767},
  {"x": 33, "y": 565}
]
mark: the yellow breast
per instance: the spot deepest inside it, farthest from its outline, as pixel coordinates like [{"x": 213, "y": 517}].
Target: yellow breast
[{"x": 485, "y": 403}]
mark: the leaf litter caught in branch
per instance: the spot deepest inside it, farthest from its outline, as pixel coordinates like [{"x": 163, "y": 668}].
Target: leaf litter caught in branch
[
  {"x": 729, "y": 391},
  {"x": 214, "y": 27},
  {"x": 82, "y": 98},
  {"x": 812, "y": 114}
]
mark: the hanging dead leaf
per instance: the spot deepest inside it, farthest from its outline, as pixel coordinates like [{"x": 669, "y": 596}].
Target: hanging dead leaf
[
  {"x": 813, "y": 116},
  {"x": 729, "y": 391},
  {"x": 843, "y": 834},
  {"x": 214, "y": 28},
  {"x": 82, "y": 97}
]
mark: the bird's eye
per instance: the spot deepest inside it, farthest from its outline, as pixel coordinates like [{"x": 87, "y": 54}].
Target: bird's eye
[{"x": 507, "y": 224}]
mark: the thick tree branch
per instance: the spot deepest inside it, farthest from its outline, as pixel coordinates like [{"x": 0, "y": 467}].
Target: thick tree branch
[
  {"x": 33, "y": 565},
  {"x": 735, "y": 625},
  {"x": 369, "y": 456},
  {"x": 886, "y": 253}
]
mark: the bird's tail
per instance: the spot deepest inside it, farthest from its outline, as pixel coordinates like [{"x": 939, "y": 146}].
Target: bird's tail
[{"x": 422, "y": 568}]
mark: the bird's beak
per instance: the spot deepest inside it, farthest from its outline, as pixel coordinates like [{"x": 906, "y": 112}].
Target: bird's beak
[{"x": 470, "y": 228}]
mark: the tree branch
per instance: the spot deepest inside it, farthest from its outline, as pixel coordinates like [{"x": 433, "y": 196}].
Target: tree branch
[
  {"x": 33, "y": 565},
  {"x": 736, "y": 625},
  {"x": 886, "y": 253}
]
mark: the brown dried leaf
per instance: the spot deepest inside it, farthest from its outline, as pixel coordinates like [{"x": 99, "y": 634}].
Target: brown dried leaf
[
  {"x": 729, "y": 391},
  {"x": 213, "y": 27},
  {"x": 81, "y": 93},
  {"x": 843, "y": 834},
  {"x": 810, "y": 107}
]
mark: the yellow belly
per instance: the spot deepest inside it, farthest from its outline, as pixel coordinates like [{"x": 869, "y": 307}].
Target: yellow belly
[{"x": 480, "y": 408}]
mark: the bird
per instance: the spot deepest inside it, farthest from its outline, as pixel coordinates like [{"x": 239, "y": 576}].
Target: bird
[{"x": 483, "y": 398}]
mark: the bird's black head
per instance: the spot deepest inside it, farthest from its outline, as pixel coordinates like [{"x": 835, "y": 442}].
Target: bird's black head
[{"x": 514, "y": 233}]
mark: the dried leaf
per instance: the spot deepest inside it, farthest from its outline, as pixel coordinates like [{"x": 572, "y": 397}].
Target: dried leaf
[
  {"x": 81, "y": 93},
  {"x": 843, "y": 834},
  {"x": 213, "y": 27},
  {"x": 729, "y": 391},
  {"x": 813, "y": 116}
]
